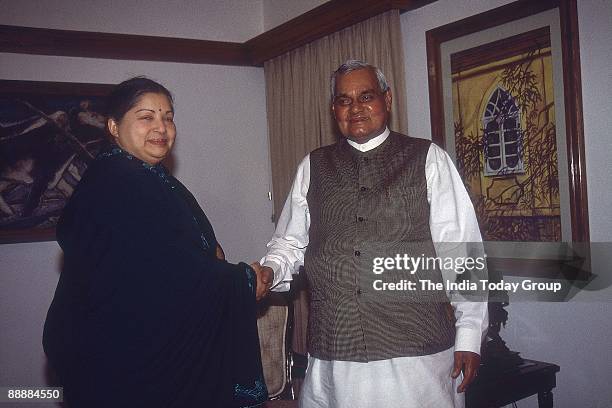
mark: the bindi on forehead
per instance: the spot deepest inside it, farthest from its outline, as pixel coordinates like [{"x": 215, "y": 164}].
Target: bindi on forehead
[{"x": 152, "y": 110}]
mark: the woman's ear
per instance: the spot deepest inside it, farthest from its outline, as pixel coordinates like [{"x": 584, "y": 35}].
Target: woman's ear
[{"x": 113, "y": 127}]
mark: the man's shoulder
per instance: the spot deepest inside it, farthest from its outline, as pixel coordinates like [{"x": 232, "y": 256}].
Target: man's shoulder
[
  {"x": 328, "y": 149},
  {"x": 410, "y": 140}
]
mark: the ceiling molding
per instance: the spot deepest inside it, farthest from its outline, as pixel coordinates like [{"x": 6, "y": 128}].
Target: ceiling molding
[
  {"x": 314, "y": 24},
  {"x": 319, "y": 22},
  {"x": 43, "y": 41}
]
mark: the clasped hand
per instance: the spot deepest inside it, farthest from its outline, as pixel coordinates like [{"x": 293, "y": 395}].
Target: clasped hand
[{"x": 265, "y": 276}]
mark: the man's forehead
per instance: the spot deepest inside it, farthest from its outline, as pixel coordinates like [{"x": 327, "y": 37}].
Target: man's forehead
[
  {"x": 357, "y": 81},
  {"x": 356, "y": 92}
]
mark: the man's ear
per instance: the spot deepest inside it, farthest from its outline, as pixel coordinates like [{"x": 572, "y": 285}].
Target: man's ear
[
  {"x": 332, "y": 108},
  {"x": 113, "y": 127},
  {"x": 388, "y": 99}
]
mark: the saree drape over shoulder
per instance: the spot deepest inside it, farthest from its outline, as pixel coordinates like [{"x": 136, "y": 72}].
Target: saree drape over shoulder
[{"x": 144, "y": 314}]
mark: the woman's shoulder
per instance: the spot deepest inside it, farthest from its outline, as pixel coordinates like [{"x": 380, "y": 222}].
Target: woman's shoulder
[
  {"x": 105, "y": 169},
  {"x": 112, "y": 183},
  {"x": 116, "y": 172}
]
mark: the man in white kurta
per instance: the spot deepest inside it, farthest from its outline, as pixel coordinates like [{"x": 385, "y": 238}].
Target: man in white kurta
[{"x": 361, "y": 107}]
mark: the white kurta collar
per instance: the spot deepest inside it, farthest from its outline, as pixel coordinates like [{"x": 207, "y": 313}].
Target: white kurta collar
[{"x": 372, "y": 143}]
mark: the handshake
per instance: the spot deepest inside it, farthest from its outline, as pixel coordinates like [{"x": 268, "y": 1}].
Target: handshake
[{"x": 265, "y": 276}]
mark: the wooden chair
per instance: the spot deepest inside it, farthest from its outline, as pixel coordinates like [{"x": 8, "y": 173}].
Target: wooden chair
[{"x": 280, "y": 364}]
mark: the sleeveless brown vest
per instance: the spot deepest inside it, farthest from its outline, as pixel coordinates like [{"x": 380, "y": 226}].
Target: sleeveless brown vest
[{"x": 363, "y": 206}]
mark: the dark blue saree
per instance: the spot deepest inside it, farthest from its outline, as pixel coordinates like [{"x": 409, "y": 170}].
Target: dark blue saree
[{"x": 144, "y": 314}]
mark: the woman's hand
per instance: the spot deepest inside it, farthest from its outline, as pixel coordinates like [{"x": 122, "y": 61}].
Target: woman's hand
[
  {"x": 219, "y": 253},
  {"x": 265, "y": 276}
]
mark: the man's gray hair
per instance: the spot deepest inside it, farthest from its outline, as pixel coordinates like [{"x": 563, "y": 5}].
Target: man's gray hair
[{"x": 356, "y": 65}]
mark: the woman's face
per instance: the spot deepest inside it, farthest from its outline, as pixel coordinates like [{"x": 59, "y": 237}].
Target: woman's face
[{"x": 146, "y": 131}]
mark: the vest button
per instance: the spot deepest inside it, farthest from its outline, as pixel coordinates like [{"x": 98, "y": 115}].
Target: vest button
[
  {"x": 363, "y": 188},
  {"x": 359, "y": 291},
  {"x": 357, "y": 253},
  {"x": 365, "y": 159},
  {"x": 360, "y": 219}
]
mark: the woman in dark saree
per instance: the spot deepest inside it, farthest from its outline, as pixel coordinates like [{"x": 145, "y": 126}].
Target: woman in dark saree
[{"x": 145, "y": 313}]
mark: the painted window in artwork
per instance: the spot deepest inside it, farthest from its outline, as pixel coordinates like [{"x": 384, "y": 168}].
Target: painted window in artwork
[{"x": 503, "y": 136}]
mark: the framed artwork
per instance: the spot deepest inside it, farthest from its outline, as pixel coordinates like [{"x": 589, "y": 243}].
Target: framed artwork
[
  {"x": 505, "y": 100},
  {"x": 49, "y": 133}
]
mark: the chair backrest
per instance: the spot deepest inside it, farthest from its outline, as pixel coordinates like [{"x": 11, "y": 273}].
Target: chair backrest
[{"x": 273, "y": 325}]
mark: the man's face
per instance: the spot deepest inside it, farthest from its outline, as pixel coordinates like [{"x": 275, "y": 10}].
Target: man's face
[{"x": 360, "y": 108}]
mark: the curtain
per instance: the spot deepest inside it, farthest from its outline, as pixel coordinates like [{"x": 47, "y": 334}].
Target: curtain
[{"x": 299, "y": 109}]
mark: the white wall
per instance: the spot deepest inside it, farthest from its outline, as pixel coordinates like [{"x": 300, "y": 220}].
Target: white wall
[
  {"x": 219, "y": 20},
  {"x": 277, "y": 12},
  {"x": 221, "y": 155},
  {"x": 576, "y": 335}
]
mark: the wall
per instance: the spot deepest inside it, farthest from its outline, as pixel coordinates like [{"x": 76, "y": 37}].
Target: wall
[
  {"x": 575, "y": 335},
  {"x": 219, "y": 20},
  {"x": 277, "y": 12},
  {"x": 221, "y": 155}
]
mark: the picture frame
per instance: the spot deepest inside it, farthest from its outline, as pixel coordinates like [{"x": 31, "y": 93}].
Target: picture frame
[
  {"x": 506, "y": 103},
  {"x": 49, "y": 133}
]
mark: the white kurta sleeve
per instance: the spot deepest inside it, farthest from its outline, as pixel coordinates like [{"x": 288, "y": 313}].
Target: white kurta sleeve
[
  {"x": 453, "y": 220},
  {"x": 288, "y": 244}
]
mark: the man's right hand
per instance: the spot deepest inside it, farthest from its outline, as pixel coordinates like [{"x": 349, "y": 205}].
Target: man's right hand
[{"x": 265, "y": 276}]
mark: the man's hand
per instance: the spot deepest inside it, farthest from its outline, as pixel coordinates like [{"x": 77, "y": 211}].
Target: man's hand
[
  {"x": 467, "y": 362},
  {"x": 265, "y": 276}
]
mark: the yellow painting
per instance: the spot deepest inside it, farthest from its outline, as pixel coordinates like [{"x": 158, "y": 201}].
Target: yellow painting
[{"x": 505, "y": 136}]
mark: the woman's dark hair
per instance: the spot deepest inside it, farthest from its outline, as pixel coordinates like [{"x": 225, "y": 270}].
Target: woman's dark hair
[{"x": 126, "y": 94}]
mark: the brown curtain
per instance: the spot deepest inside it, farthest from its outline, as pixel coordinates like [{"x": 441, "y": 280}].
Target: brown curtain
[{"x": 298, "y": 104}]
